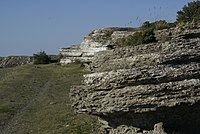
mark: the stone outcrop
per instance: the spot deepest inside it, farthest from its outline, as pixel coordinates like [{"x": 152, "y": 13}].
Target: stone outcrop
[
  {"x": 110, "y": 38},
  {"x": 128, "y": 57},
  {"x": 98, "y": 40},
  {"x": 12, "y": 61},
  {"x": 145, "y": 88}
]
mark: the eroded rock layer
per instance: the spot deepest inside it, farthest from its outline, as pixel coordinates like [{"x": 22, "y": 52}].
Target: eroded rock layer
[{"x": 133, "y": 88}]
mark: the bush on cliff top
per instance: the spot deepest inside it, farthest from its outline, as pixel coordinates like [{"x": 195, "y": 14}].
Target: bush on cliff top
[{"x": 157, "y": 25}]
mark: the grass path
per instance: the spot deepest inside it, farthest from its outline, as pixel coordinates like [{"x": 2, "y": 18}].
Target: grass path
[{"x": 35, "y": 100}]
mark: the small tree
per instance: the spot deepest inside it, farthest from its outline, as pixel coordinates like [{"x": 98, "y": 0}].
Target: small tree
[
  {"x": 190, "y": 13},
  {"x": 41, "y": 58}
]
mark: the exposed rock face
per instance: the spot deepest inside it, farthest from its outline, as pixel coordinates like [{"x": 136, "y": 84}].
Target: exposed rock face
[
  {"x": 132, "y": 89},
  {"x": 128, "y": 57},
  {"x": 73, "y": 54},
  {"x": 110, "y": 38},
  {"x": 13, "y": 61},
  {"x": 98, "y": 40}
]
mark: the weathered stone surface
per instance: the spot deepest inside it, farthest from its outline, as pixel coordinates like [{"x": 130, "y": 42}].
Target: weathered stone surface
[
  {"x": 13, "y": 61},
  {"x": 109, "y": 38},
  {"x": 98, "y": 40},
  {"x": 158, "y": 128},
  {"x": 133, "y": 88},
  {"x": 149, "y": 54},
  {"x": 123, "y": 129}
]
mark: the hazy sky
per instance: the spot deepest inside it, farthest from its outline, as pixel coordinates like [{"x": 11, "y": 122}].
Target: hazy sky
[{"x": 28, "y": 26}]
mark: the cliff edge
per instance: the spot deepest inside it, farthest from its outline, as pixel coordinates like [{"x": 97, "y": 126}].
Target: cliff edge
[
  {"x": 98, "y": 40},
  {"x": 150, "y": 88}
]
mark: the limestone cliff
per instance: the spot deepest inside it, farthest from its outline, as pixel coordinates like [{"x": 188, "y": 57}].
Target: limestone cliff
[
  {"x": 134, "y": 90},
  {"x": 98, "y": 40}
]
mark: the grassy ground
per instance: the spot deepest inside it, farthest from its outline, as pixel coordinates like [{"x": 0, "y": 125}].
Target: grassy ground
[{"x": 35, "y": 100}]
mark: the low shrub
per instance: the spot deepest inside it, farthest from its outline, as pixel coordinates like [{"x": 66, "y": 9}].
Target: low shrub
[
  {"x": 41, "y": 58},
  {"x": 143, "y": 37},
  {"x": 157, "y": 25}
]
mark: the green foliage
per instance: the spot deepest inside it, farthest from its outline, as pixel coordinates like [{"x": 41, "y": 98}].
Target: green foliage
[
  {"x": 157, "y": 25},
  {"x": 41, "y": 58},
  {"x": 144, "y": 37},
  {"x": 162, "y": 24},
  {"x": 190, "y": 13}
]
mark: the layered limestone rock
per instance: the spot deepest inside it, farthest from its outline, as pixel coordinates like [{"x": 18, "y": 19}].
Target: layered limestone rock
[
  {"x": 98, "y": 40},
  {"x": 145, "y": 88},
  {"x": 110, "y": 38},
  {"x": 73, "y": 54},
  {"x": 12, "y": 61},
  {"x": 155, "y": 53}
]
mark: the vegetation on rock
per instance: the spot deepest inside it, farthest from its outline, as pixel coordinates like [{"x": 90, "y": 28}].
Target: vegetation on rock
[
  {"x": 157, "y": 25},
  {"x": 143, "y": 37}
]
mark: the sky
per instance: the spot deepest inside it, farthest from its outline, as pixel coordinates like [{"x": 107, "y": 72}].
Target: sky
[{"x": 30, "y": 26}]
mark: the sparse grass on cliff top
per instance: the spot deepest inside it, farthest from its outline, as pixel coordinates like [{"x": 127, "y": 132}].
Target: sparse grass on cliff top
[{"x": 35, "y": 100}]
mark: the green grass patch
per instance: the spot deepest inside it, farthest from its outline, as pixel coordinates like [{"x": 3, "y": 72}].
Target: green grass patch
[{"x": 35, "y": 99}]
